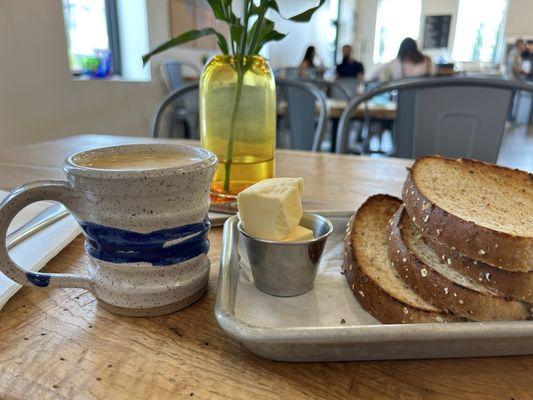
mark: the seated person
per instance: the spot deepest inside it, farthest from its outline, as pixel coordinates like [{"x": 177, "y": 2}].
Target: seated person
[
  {"x": 311, "y": 66},
  {"x": 409, "y": 63},
  {"x": 349, "y": 68}
]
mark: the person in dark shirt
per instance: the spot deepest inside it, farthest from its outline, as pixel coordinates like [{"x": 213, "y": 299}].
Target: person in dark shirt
[{"x": 349, "y": 68}]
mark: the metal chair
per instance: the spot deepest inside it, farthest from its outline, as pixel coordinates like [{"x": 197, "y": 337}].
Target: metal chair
[
  {"x": 186, "y": 107},
  {"x": 189, "y": 90},
  {"x": 287, "y": 73},
  {"x": 344, "y": 87},
  {"x": 454, "y": 117},
  {"x": 172, "y": 73},
  {"x": 332, "y": 89},
  {"x": 303, "y": 100}
]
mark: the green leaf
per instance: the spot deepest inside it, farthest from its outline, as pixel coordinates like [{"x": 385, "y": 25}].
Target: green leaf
[
  {"x": 254, "y": 34},
  {"x": 188, "y": 37},
  {"x": 263, "y": 6},
  {"x": 306, "y": 15},
  {"x": 236, "y": 32},
  {"x": 266, "y": 34},
  {"x": 261, "y": 27},
  {"x": 222, "y": 43},
  {"x": 218, "y": 9},
  {"x": 273, "y": 4},
  {"x": 273, "y": 36}
]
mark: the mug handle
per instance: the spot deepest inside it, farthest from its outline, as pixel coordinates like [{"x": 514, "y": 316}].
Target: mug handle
[{"x": 15, "y": 201}]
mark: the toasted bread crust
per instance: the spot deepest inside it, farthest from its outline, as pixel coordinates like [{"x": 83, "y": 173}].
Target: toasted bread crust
[
  {"x": 498, "y": 249},
  {"x": 380, "y": 304},
  {"x": 514, "y": 284},
  {"x": 440, "y": 291}
]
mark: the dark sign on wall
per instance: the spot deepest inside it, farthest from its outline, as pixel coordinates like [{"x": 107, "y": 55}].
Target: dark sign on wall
[{"x": 436, "y": 31}]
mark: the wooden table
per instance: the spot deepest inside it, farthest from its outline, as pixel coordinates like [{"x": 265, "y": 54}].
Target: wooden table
[
  {"x": 376, "y": 111},
  {"x": 57, "y": 344},
  {"x": 335, "y": 107}
]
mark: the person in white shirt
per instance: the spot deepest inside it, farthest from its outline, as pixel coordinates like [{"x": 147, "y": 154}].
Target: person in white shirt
[
  {"x": 409, "y": 63},
  {"x": 514, "y": 68}
]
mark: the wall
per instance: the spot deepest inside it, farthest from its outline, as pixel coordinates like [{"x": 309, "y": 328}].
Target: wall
[
  {"x": 439, "y": 7},
  {"x": 519, "y": 21},
  {"x": 133, "y": 34},
  {"x": 365, "y": 25},
  {"x": 319, "y": 32},
  {"x": 38, "y": 98}
]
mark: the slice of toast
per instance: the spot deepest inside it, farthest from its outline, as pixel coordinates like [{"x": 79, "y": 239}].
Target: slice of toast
[
  {"x": 483, "y": 210},
  {"x": 514, "y": 284},
  {"x": 370, "y": 274},
  {"x": 433, "y": 280}
]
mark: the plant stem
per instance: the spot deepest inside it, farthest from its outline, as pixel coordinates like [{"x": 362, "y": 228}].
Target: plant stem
[{"x": 233, "y": 120}]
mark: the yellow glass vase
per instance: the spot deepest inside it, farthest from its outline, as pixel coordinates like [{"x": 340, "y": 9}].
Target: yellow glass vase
[{"x": 238, "y": 122}]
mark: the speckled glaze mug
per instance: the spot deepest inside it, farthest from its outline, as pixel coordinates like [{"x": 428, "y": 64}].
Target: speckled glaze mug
[{"x": 145, "y": 229}]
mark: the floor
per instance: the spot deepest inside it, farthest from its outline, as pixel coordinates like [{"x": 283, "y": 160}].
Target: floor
[{"x": 516, "y": 150}]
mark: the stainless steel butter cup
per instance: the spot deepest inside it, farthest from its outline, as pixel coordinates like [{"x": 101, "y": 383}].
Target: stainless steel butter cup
[{"x": 287, "y": 268}]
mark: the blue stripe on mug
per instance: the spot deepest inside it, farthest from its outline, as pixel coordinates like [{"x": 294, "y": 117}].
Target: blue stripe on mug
[
  {"x": 121, "y": 246},
  {"x": 41, "y": 280}
]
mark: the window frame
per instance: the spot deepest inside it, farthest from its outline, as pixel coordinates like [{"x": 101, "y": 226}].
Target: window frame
[{"x": 113, "y": 36}]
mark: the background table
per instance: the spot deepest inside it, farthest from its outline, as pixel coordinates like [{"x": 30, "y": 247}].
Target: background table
[
  {"x": 376, "y": 110},
  {"x": 57, "y": 344},
  {"x": 335, "y": 107}
]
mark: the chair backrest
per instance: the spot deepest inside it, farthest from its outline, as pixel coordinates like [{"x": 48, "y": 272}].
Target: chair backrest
[
  {"x": 333, "y": 89},
  {"x": 303, "y": 101},
  {"x": 454, "y": 117},
  {"x": 172, "y": 73},
  {"x": 452, "y": 121},
  {"x": 287, "y": 73},
  {"x": 344, "y": 88},
  {"x": 185, "y": 91}
]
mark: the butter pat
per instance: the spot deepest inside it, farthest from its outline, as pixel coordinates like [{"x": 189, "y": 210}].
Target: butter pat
[
  {"x": 271, "y": 209},
  {"x": 299, "y": 233}
]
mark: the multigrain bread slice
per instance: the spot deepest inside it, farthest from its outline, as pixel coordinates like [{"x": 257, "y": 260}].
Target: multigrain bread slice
[
  {"x": 483, "y": 210},
  {"x": 433, "y": 280},
  {"x": 370, "y": 274},
  {"x": 514, "y": 284}
]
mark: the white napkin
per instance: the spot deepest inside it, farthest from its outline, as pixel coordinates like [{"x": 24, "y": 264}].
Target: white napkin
[
  {"x": 34, "y": 252},
  {"x": 330, "y": 303}
]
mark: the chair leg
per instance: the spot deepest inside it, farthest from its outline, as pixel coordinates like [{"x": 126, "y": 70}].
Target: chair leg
[
  {"x": 365, "y": 137},
  {"x": 334, "y": 127},
  {"x": 187, "y": 130}
]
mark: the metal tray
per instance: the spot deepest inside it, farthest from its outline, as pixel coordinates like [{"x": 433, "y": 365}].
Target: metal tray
[{"x": 280, "y": 329}]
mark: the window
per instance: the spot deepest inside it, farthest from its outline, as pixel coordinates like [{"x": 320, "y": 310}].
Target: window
[
  {"x": 396, "y": 20},
  {"x": 92, "y": 35},
  {"x": 478, "y": 35}
]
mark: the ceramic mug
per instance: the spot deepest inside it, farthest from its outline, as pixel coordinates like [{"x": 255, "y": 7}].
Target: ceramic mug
[{"x": 145, "y": 229}]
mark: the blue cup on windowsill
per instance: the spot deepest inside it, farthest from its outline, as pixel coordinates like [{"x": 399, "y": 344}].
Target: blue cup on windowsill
[{"x": 97, "y": 66}]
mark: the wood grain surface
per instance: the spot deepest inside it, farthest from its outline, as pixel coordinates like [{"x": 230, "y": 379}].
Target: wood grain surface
[
  {"x": 384, "y": 112},
  {"x": 58, "y": 344},
  {"x": 335, "y": 107}
]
